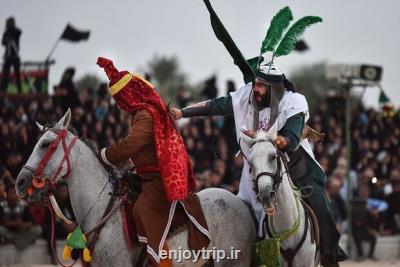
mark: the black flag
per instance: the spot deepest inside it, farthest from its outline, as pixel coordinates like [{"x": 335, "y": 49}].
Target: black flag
[
  {"x": 301, "y": 46},
  {"x": 73, "y": 35},
  {"x": 222, "y": 35}
]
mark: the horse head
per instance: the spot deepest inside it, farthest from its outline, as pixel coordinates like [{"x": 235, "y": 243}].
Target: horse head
[
  {"x": 48, "y": 162},
  {"x": 264, "y": 161}
]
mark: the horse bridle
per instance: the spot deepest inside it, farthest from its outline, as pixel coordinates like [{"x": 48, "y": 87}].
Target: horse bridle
[
  {"x": 277, "y": 177},
  {"x": 38, "y": 179}
]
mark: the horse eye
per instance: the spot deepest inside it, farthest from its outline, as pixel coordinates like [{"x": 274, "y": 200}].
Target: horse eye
[
  {"x": 45, "y": 144},
  {"x": 273, "y": 157}
]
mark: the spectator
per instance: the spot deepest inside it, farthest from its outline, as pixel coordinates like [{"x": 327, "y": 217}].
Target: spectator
[
  {"x": 393, "y": 200},
  {"x": 5, "y": 177},
  {"x": 15, "y": 222},
  {"x": 11, "y": 55},
  {"x": 364, "y": 224},
  {"x": 182, "y": 97},
  {"x": 210, "y": 91},
  {"x": 3, "y": 195},
  {"x": 228, "y": 127},
  {"x": 332, "y": 188},
  {"x": 65, "y": 94}
]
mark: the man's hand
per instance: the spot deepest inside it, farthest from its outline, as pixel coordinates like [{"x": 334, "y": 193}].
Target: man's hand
[
  {"x": 176, "y": 113},
  {"x": 281, "y": 142},
  {"x": 250, "y": 133}
]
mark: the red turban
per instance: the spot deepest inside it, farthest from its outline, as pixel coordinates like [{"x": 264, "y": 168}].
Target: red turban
[{"x": 133, "y": 93}]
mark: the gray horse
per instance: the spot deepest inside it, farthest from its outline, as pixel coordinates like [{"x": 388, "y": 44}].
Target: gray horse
[
  {"x": 280, "y": 201},
  {"x": 228, "y": 218}
]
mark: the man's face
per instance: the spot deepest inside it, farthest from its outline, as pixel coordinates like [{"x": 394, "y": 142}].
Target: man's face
[{"x": 261, "y": 90}]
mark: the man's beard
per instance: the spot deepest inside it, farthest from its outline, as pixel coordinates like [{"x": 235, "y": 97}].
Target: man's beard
[{"x": 264, "y": 100}]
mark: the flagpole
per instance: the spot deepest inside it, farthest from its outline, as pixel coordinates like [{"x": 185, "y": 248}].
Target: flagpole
[{"x": 52, "y": 50}]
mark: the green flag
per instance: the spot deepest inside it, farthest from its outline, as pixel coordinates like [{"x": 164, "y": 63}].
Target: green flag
[{"x": 383, "y": 98}]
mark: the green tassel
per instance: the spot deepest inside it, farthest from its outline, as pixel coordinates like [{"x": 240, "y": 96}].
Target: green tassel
[
  {"x": 294, "y": 34},
  {"x": 267, "y": 253},
  {"x": 278, "y": 25},
  {"x": 76, "y": 239}
]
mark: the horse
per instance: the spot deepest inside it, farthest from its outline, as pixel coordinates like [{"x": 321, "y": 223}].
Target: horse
[
  {"x": 228, "y": 218},
  {"x": 286, "y": 219}
]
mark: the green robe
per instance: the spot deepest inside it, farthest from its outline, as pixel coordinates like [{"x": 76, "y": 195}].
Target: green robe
[{"x": 305, "y": 172}]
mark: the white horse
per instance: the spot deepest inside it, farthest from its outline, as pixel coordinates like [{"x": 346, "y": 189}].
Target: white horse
[
  {"x": 285, "y": 215},
  {"x": 228, "y": 218}
]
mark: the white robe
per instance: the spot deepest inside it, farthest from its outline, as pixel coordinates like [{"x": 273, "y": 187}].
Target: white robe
[{"x": 290, "y": 104}]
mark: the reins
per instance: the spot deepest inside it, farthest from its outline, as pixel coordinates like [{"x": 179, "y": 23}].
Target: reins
[{"x": 289, "y": 253}]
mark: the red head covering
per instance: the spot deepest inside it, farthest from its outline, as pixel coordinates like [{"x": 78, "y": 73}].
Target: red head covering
[{"x": 133, "y": 93}]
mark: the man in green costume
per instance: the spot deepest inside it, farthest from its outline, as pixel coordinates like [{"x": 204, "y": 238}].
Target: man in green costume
[{"x": 256, "y": 106}]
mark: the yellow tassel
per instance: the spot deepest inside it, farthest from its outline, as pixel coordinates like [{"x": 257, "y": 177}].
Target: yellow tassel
[
  {"x": 84, "y": 238},
  {"x": 86, "y": 255},
  {"x": 67, "y": 253},
  {"x": 69, "y": 235}
]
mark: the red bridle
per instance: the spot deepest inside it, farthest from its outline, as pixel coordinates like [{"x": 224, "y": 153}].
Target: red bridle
[{"x": 38, "y": 179}]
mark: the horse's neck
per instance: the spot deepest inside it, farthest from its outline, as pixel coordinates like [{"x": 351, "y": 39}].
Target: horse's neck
[
  {"x": 287, "y": 212},
  {"x": 86, "y": 183}
]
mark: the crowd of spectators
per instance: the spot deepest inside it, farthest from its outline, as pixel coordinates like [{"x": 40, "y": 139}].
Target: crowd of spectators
[{"x": 211, "y": 143}]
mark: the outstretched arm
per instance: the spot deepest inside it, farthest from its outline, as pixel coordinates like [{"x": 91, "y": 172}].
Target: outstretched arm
[{"x": 218, "y": 106}]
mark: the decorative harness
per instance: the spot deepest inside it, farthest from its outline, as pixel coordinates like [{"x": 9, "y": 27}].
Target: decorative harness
[
  {"x": 39, "y": 181},
  {"x": 288, "y": 254}
]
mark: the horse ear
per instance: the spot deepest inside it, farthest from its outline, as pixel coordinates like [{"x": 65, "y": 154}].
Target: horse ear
[
  {"x": 41, "y": 127},
  {"x": 273, "y": 131},
  {"x": 64, "y": 121},
  {"x": 247, "y": 139}
]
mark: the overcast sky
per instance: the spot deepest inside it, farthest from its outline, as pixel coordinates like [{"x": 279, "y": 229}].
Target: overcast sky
[{"x": 131, "y": 32}]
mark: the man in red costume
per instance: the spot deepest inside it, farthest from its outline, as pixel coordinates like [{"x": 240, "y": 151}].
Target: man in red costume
[{"x": 158, "y": 153}]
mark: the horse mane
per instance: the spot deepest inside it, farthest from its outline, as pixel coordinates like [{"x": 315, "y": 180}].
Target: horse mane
[{"x": 112, "y": 172}]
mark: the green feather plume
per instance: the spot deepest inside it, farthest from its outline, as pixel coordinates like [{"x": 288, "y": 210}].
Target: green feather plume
[
  {"x": 278, "y": 25},
  {"x": 294, "y": 34}
]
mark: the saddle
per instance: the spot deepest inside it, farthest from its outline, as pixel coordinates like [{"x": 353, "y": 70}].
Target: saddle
[{"x": 130, "y": 183}]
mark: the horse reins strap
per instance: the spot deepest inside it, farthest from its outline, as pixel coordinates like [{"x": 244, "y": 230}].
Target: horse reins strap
[
  {"x": 147, "y": 169},
  {"x": 286, "y": 234},
  {"x": 289, "y": 253},
  {"x": 53, "y": 248},
  {"x": 276, "y": 176},
  {"x": 50, "y": 152},
  {"x": 65, "y": 158},
  {"x": 107, "y": 214}
]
